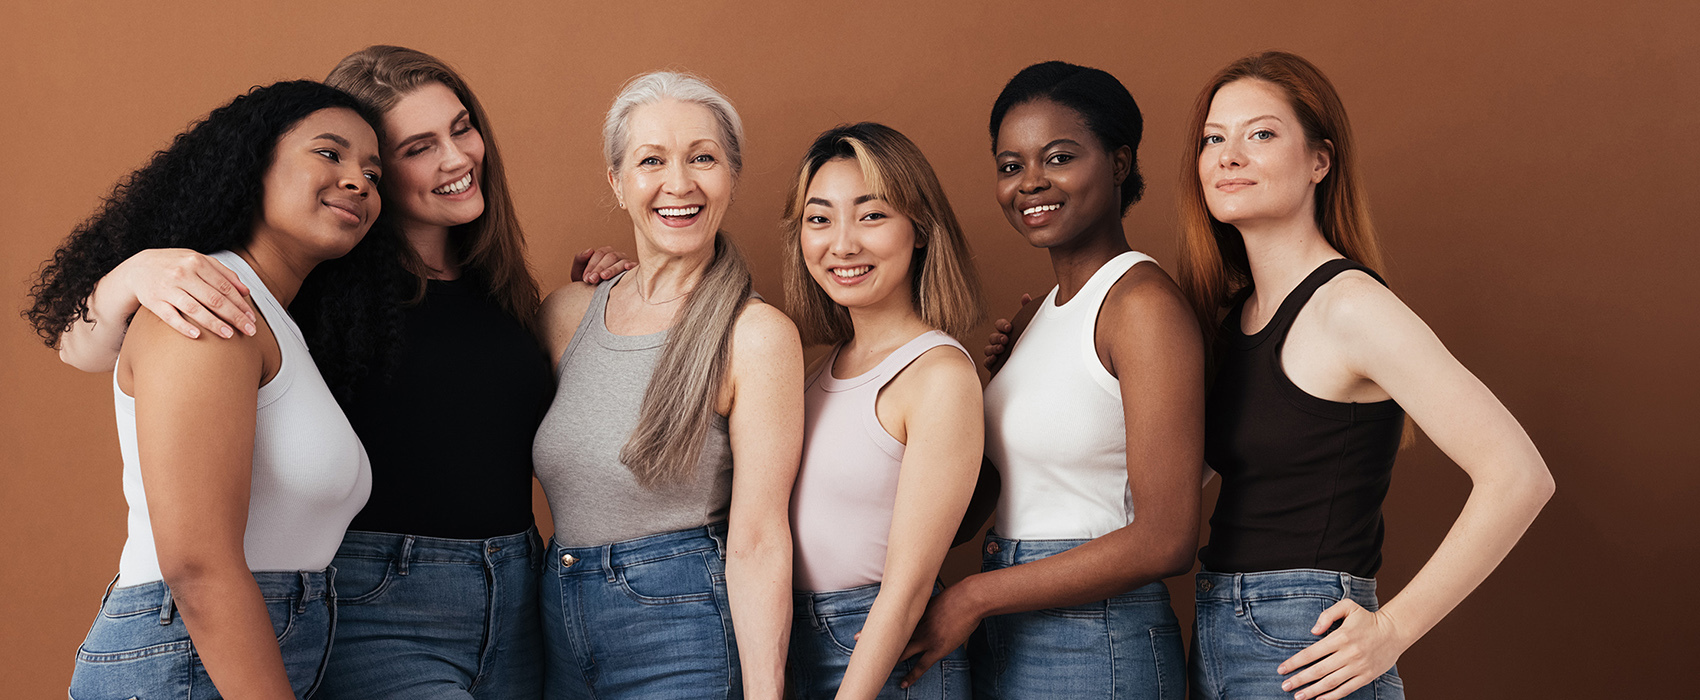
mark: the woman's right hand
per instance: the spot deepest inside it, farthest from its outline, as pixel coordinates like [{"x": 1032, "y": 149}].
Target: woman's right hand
[
  {"x": 187, "y": 290},
  {"x": 999, "y": 340}
]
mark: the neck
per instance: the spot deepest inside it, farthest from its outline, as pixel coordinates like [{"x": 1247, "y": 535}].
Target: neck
[
  {"x": 279, "y": 268},
  {"x": 661, "y": 277},
  {"x": 1281, "y": 254},
  {"x": 1076, "y": 262},
  {"x": 431, "y": 243},
  {"x": 884, "y": 325}
]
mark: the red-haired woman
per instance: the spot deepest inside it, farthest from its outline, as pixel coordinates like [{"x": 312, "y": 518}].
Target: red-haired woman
[{"x": 1318, "y": 364}]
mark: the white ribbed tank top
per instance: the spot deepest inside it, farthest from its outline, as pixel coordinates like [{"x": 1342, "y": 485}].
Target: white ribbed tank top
[
  {"x": 1054, "y": 422},
  {"x": 310, "y": 474}
]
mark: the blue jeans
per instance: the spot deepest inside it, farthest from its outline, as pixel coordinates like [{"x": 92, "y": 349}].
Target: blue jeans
[
  {"x": 139, "y": 648},
  {"x": 823, "y": 634},
  {"x": 1126, "y": 647},
  {"x": 427, "y": 617},
  {"x": 643, "y": 618},
  {"x": 1248, "y": 624}
]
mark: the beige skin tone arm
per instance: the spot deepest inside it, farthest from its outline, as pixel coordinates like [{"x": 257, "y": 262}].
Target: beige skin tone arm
[
  {"x": 763, "y": 402},
  {"x": 934, "y": 408},
  {"x": 197, "y": 490},
  {"x": 1154, "y": 348},
  {"x": 1371, "y": 338},
  {"x": 190, "y": 292}
]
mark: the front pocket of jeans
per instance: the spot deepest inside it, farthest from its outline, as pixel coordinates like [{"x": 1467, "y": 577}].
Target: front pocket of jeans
[
  {"x": 1286, "y": 622},
  {"x": 131, "y": 638},
  {"x": 841, "y": 630},
  {"x": 361, "y": 581},
  {"x": 680, "y": 579},
  {"x": 1089, "y": 611}
]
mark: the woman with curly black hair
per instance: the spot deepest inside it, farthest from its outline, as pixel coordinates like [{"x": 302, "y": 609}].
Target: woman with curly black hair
[{"x": 240, "y": 469}]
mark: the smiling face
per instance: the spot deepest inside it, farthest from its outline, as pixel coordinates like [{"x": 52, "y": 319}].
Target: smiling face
[
  {"x": 1256, "y": 164},
  {"x": 856, "y": 246},
  {"x": 1055, "y": 180},
  {"x": 434, "y": 158},
  {"x": 675, "y": 180},
  {"x": 321, "y": 187}
]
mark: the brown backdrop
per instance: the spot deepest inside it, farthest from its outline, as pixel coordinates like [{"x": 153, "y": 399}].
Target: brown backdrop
[{"x": 1531, "y": 171}]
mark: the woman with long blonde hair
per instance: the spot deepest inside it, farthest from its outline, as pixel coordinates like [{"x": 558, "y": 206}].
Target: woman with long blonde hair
[
  {"x": 1318, "y": 365},
  {"x": 877, "y": 266}
]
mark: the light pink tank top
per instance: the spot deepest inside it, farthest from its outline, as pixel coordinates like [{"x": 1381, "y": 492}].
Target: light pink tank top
[{"x": 841, "y": 506}]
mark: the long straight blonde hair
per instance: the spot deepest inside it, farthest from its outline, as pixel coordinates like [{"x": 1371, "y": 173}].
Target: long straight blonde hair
[
  {"x": 491, "y": 246},
  {"x": 678, "y": 406}
]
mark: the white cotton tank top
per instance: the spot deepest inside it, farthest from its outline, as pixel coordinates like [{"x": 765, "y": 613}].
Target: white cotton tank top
[
  {"x": 310, "y": 474},
  {"x": 1054, "y": 423},
  {"x": 847, "y": 487}
]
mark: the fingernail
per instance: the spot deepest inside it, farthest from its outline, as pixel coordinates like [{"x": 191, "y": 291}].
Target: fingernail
[
  {"x": 250, "y": 329},
  {"x": 194, "y": 332},
  {"x": 251, "y": 317},
  {"x": 1287, "y": 686},
  {"x": 226, "y": 332}
]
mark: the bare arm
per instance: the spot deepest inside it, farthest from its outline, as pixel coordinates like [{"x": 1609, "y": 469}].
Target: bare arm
[
  {"x": 1381, "y": 340},
  {"x": 938, "y": 405},
  {"x": 197, "y": 492},
  {"x": 1157, "y": 355},
  {"x": 766, "y": 424},
  {"x": 186, "y": 290},
  {"x": 562, "y": 311}
]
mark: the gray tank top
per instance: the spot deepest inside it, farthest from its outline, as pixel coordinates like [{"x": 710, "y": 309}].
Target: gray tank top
[{"x": 593, "y": 496}]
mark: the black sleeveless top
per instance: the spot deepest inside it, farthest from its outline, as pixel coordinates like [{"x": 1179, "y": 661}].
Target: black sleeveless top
[
  {"x": 1303, "y": 478},
  {"x": 449, "y": 431}
]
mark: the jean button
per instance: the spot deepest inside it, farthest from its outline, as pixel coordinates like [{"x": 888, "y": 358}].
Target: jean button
[
  {"x": 1205, "y": 585},
  {"x": 993, "y": 547},
  {"x": 567, "y": 560}
]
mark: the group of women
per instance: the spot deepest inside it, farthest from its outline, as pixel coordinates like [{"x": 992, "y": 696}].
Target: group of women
[{"x": 348, "y": 463}]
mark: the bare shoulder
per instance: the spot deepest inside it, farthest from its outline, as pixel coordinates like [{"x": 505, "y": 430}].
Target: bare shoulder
[
  {"x": 762, "y": 329},
  {"x": 155, "y": 345},
  {"x": 940, "y": 369},
  {"x": 1145, "y": 299},
  {"x": 560, "y": 315},
  {"x": 1365, "y": 319}
]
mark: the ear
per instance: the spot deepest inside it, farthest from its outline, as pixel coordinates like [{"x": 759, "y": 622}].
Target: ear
[
  {"x": 1324, "y": 162},
  {"x": 614, "y": 184},
  {"x": 1122, "y": 163}
]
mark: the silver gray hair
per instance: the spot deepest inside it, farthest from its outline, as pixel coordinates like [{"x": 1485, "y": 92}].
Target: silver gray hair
[{"x": 650, "y": 88}]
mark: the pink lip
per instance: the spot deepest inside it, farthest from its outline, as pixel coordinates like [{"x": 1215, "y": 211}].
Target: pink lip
[
  {"x": 1234, "y": 184},
  {"x": 468, "y": 193},
  {"x": 348, "y": 211},
  {"x": 678, "y": 222},
  {"x": 1039, "y": 219},
  {"x": 849, "y": 281}
]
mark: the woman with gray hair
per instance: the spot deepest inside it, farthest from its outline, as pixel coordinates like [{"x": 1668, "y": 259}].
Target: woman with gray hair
[{"x": 661, "y": 549}]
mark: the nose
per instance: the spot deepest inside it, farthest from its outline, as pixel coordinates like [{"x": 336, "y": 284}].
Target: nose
[
  {"x": 356, "y": 182},
  {"x": 1231, "y": 156},
  {"x": 453, "y": 158},
  {"x": 676, "y": 179},
  {"x": 1033, "y": 181},
  {"x": 844, "y": 243}
]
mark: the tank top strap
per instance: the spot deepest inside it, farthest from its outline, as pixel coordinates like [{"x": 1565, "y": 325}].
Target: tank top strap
[
  {"x": 1284, "y": 316},
  {"x": 1091, "y": 295},
  {"x": 907, "y": 354},
  {"x": 593, "y": 321}
]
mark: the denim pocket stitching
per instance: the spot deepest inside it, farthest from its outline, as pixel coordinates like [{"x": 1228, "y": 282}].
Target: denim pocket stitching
[
  {"x": 288, "y": 624},
  {"x": 1156, "y": 633},
  {"x": 129, "y": 613},
  {"x": 1274, "y": 641},
  {"x": 108, "y": 657},
  {"x": 383, "y": 587},
  {"x": 826, "y": 630},
  {"x": 641, "y": 599},
  {"x": 1079, "y": 612}
]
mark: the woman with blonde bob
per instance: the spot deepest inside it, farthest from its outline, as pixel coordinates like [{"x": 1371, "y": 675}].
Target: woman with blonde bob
[
  {"x": 876, "y": 265},
  {"x": 661, "y": 548},
  {"x": 1318, "y": 364}
]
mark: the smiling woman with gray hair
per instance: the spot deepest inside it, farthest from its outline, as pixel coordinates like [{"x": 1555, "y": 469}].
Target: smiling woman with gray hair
[{"x": 661, "y": 548}]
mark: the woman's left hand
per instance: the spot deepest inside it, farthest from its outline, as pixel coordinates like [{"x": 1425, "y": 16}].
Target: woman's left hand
[
  {"x": 597, "y": 264},
  {"x": 1364, "y": 646},
  {"x": 949, "y": 619}
]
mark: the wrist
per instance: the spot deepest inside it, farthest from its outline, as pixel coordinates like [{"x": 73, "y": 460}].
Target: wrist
[
  {"x": 1403, "y": 630},
  {"x": 112, "y": 300}
]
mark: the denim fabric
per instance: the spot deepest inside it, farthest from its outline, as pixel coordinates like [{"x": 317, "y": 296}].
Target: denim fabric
[
  {"x": 1248, "y": 624},
  {"x": 139, "y": 648},
  {"x": 428, "y": 617},
  {"x": 823, "y": 634},
  {"x": 644, "y": 618},
  {"x": 1126, "y": 647}
]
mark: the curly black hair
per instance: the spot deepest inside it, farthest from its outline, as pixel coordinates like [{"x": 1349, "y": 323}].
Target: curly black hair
[
  {"x": 204, "y": 192},
  {"x": 1102, "y": 101}
]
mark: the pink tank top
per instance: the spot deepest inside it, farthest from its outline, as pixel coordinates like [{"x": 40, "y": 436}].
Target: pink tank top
[{"x": 841, "y": 506}]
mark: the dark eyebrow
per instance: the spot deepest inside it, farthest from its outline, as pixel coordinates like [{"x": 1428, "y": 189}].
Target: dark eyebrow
[
  {"x": 865, "y": 198},
  {"x": 429, "y": 134},
  {"x": 818, "y": 200},
  {"x": 333, "y": 138},
  {"x": 1046, "y": 147}
]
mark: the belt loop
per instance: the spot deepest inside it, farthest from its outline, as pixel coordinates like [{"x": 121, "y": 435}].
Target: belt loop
[
  {"x": 306, "y": 590},
  {"x": 166, "y": 606},
  {"x": 719, "y": 541},
  {"x": 814, "y": 617},
  {"x": 1239, "y": 602},
  {"x": 1345, "y": 586},
  {"x": 608, "y": 561},
  {"x": 406, "y": 554},
  {"x": 330, "y": 585}
]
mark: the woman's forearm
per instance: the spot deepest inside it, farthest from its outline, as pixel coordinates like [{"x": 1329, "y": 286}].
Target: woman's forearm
[
  {"x": 1135, "y": 555},
  {"x": 232, "y": 632},
  {"x": 758, "y": 584},
  {"x": 92, "y": 345},
  {"x": 896, "y": 610},
  {"x": 1494, "y": 518}
]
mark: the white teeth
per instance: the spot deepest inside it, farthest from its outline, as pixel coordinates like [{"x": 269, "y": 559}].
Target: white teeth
[
  {"x": 1043, "y": 207},
  {"x": 848, "y": 272},
  {"x": 679, "y": 211},
  {"x": 456, "y": 187}
]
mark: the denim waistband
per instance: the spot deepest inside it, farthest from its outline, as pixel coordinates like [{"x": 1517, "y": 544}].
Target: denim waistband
[
  {"x": 818, "y": 604},
  {"x": 299, "y": 587},
  {"x": 603, "y": 558},
  {"x": 413, "y": 548},
  {"x": 1008, "y": 552},
  {"x": 1285, "y": 583}
]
